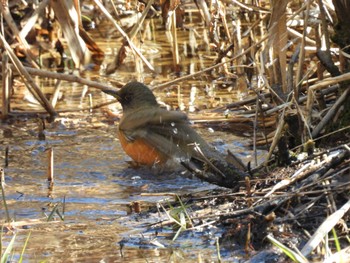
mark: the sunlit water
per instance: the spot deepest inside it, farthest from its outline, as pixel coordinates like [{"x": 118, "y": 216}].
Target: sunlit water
[
  {"x": 97, "y": 185},
  {"x": 91, "y": 174}
]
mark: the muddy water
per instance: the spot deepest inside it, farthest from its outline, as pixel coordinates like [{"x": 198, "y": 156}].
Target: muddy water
[{"x": 94, "y": 184}]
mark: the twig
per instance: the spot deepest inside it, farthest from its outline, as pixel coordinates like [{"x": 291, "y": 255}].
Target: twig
[
  {"x": 329, "y": 134},
  {"x": 56, "y": 93},
  {"x": 66, "y": 77},
  {"x": 325, "y": 227},
  {"x": 249, "y": 49},
  {"x": 298, "y": 77},
  {"x": 255, "y": 122},
  {"x": 50, "y": 169},
  {"x": 124, "y": 35},
  {"x": 6, "y": 156},
  {"x": 331, "y": 112},
  {"x": 176, "y": 57},
  {"x": 330, "y": 81},
  {"x": 320, "y": 85},
  {"x": 28, "y": 25},
  {"x": 277, "y": 136},
  {"x": 7, "y": 15},
  {"x": 30, "y": 83},
  {"x": 6, "y": 83}
]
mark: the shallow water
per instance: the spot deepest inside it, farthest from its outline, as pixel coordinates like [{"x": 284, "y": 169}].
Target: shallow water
[{"x": 91, "y": 174}]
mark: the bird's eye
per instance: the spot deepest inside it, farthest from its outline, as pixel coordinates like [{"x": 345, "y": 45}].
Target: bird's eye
[{"x": 127, "y": 98}]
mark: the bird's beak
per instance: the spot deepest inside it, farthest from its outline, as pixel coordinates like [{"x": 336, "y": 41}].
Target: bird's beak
[{"x": 112, "y": 92}]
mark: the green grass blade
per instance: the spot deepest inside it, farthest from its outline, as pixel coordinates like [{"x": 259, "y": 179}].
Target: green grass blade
[
  {"x": 182, "y": 225},
  {"x": 290, "y": 253},
  {"x": 184, "y": 209},
  {"x": 8, "y": 250},
  {"x": 50, "y": 217},
  {"x": 178, "y": 233},
  {"x": 24, "y": 248},
  {"x": 2, "y": 231},
  {"x": 336, "y": 240}
]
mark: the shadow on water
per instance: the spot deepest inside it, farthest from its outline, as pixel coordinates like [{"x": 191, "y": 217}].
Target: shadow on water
[{"x": 97, "y": 184}]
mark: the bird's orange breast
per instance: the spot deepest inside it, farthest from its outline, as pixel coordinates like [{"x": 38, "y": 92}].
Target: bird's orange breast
[{"x": 140, "y": 151}]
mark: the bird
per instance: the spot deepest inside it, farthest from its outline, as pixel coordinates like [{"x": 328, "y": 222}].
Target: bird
[{"x": 152, "y": 135}]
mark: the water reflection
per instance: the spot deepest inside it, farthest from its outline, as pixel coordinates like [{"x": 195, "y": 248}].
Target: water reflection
[
  {"x": 90, "y": 169},
  {"x": 92, "y": 176}
]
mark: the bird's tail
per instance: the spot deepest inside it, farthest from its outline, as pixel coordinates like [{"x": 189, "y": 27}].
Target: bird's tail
[{"x": 213, "y": 167}]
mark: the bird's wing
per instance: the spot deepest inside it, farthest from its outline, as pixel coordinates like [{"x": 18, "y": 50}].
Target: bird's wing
[
  {"x": 172, "y": 135},
  {"x": 150, "y": 124},
  {"x": 150, "y": 115},
  {"x": 167, "y": 131}
]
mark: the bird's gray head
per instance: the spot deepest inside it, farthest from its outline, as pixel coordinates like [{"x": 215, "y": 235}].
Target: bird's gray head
[{"x": 134, "y": 95}]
